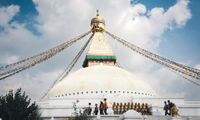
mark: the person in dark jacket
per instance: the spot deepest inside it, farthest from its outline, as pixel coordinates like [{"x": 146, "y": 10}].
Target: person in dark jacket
[
  {"x": 96, "y": 109},
  {"x": 170, "y": 105},
  {"x": 166, "y": 108},
  {"x": 101, "y": 108},
  {"x": 89, "y": 109}
]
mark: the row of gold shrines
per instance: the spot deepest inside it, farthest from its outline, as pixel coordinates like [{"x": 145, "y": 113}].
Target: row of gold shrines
[{"x": 120, "y": 108}]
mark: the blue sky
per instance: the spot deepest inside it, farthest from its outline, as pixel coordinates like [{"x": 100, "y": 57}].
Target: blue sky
[
  {"x": 174, "y": 47},
  {"x": 189, "y": 49},
  {"x": 27, "y": 12},
  {"x": 44, "y": 24}
]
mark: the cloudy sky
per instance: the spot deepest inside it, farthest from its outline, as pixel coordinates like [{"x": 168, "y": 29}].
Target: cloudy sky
[{"x": 166, "y": 27}]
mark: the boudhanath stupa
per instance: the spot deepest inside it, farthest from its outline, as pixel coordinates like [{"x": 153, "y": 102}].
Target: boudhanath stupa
[{"x": 101, "y": 77}]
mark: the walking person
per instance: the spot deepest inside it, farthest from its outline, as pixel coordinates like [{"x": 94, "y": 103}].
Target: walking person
[
  {"x": 89, "y": 109},
  {"x": 166, "y": 108},
  {"x": 105, "y": 106},
  {"x": 96, "y": 109},
  {"x": 170, "y": 105},
  {"x": 101, "y": 108}
]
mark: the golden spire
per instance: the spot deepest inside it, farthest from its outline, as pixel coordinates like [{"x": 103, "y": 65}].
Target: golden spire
[
  {"x": 99, "y": 51},
  {"x": 97, "y": 23},
  {"x": 97, "y": 12}
]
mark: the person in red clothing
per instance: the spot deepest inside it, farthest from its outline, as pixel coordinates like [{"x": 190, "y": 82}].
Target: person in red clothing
[{"x": 105, "y": 105}]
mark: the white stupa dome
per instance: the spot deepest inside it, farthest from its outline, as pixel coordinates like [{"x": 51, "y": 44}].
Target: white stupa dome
[
  {"x": 100, "y": 77},
  {"x": 101, "y": 80}
]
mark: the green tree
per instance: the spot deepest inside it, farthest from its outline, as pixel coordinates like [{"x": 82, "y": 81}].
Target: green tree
[{"x": 18, "y": 106}]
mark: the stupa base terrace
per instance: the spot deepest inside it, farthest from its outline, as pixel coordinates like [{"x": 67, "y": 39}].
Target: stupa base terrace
[{"x": 53, "y": 109}]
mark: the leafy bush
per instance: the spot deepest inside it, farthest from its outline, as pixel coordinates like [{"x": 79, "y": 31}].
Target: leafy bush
[{"x": 18, "y": 106}]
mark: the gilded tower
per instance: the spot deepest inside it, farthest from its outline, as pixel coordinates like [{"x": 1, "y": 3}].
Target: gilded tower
[{"x": 100, "y": 51}]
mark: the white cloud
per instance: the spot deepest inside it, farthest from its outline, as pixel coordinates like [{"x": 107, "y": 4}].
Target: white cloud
[
  {"x": 147, "y": 28},
  {"x": 10, "y": 59},
  {"x": 16, "y": 36},
  {"x": 7, "y": 13},
  {"x": 138, "y": 9},
  {"x": 34, "y": 85},
  {"x": 60, "y": 19},
  {"x": 180, "y": 13},
  {"x": 197, "y": 66}
]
